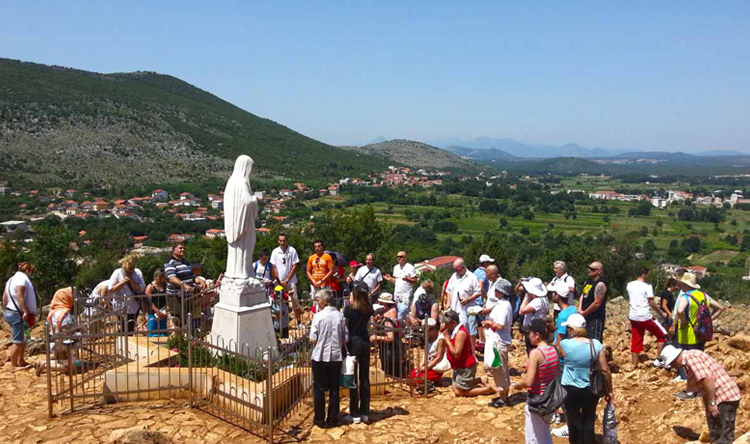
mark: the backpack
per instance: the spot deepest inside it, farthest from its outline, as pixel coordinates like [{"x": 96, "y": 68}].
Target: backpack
[{"x": 703, "y": 327}]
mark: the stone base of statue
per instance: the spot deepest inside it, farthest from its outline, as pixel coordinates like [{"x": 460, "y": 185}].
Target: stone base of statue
[{"x": 242, "y": 318}]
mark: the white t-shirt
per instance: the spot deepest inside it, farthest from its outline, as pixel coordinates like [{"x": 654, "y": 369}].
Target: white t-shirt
[
  {"x": 541, "y": 309},
  {"x": 21, "y": 280},
  {"x": 460, "y": 288},
  {"x": 639, "y": 294},
  {"x": 263, "y": 271},
  {"x": 132, "y": 305},
  {"x": 568, "y": 279},
  {"x": 402, "y": 289},
  {"x": 370, "y": 276},
  {"x": 284, "y": 261},
  {"x": 95, "y": 297},
  {"x": 502, "y": 313}
]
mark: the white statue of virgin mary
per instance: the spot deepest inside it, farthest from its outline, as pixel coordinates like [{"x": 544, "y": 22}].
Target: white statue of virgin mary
[{"x": 240, "y": 211}]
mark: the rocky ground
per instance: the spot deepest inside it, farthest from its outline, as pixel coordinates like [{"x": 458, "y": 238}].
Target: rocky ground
[{"x": 646, "y": 410}]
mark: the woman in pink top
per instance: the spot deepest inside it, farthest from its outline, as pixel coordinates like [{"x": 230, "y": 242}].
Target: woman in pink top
[{"x": 543, "y": 368}]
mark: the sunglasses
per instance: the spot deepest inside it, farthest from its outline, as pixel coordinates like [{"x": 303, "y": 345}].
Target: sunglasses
[
  {"x": 593, "y": 269},
  {"x": 400, "y": 256}
]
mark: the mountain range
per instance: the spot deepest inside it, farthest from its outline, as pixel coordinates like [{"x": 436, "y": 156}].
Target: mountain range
[
  {"x": 63, "y": 125},
  {"x": 415, "y": 154},
  {"x": 506, "y": 146}
]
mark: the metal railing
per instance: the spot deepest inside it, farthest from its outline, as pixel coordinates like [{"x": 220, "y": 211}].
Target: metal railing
[{"x": 107, "y": 356}]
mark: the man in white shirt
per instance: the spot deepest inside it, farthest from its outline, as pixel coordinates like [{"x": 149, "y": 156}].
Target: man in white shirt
[
  {"x": 641, "y": 295},
  {"x": 370, "y": 275},
  {"x": 404, "y": 277},
  {"x": 561, "y": 274},
  {"x": 285, "y": 261},
  {"x": 464, "y": 289},
  {"x": 328, "y": 333}
]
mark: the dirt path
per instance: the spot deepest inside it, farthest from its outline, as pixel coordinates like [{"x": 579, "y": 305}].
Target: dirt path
[{"x": 646, "y": 410}]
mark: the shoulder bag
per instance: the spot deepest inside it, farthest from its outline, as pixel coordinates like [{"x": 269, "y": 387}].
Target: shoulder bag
[{"x": 596, "y": 377}]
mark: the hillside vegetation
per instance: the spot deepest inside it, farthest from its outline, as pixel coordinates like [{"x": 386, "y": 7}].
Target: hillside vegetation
[
  {"x": 61, "y": 124},
  {"x": 415, "y": 154}
]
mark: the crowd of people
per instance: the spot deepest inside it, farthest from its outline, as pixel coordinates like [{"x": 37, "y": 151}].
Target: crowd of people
[{"x": 472, "y": 321}]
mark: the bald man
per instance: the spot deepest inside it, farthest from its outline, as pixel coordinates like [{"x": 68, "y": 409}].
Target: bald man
[
  {"x": 463, "y": 290},
  {"x": 404, "y": 277},
  {"x": 593, "y": 303}
]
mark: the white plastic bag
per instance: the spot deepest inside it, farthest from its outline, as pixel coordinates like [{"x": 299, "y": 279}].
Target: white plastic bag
[
  {"x": 610, "y": 425},
  {"x": 348, "y": 367}
]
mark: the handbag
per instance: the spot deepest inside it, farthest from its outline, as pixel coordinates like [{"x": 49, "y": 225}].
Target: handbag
[
  {"x": 553, "y": 397},
  {"x": 596, "y": 377},
  {"x": 348, "y": 378}
]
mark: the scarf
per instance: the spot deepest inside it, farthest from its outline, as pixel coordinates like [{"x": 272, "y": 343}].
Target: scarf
[{"x": 63, "y": 300}]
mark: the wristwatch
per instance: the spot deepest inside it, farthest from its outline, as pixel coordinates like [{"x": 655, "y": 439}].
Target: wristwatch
[{"x": 712, "y": 403}]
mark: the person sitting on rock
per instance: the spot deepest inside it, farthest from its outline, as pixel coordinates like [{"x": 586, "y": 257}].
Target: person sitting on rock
[
  {"x": 461, "y": 357},
  {"x": 59, "y": 319}
]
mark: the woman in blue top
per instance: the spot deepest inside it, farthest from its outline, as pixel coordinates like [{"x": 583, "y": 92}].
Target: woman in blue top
[{"x": 580, "y": 404}]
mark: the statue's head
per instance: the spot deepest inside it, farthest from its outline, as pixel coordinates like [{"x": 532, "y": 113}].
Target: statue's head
[{"x": 243, "y": 166}]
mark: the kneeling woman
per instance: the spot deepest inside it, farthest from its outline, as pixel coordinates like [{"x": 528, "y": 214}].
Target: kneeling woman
[
  {"x": 461, "y": 356},
  {"x": 59, "y": 319}
]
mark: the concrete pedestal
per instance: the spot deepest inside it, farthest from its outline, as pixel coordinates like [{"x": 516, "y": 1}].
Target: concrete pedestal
[{"x": 242, "y": 318}]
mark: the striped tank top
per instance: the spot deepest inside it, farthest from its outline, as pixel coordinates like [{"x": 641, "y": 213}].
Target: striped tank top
[{"x": 546, "y": 372}]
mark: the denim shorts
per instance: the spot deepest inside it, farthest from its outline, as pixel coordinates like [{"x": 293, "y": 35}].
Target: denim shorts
[{"x": 15, "y": 320}]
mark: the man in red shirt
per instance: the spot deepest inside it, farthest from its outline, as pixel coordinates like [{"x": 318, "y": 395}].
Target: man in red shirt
[{"x": 720, "y": 393}]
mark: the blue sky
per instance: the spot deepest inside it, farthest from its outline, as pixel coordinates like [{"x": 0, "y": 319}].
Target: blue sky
[{"x": 666, "y": 75}]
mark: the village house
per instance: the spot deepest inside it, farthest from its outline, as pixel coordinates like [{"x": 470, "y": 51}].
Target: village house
[
  {"x": 287, "y": 193},
  {"x": 159, "y": 195},
  {"x": 217, "y": 204},
  {"x": 213, "y": 233},
  {"x": 260, "y": 195},
  {"x": 603, "y": 195},
  {"x": 437, "y": 263},
  {"x": 180, "y": 237},
  {"x": 70, "y": 193}
]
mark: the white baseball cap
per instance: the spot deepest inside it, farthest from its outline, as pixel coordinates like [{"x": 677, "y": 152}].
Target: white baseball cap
[
  {"x": 575, "y": 321},
  {"x": 485, "y": 258}
]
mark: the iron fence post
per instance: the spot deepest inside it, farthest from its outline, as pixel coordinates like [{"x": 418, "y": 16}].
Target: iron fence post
[
  {"x": 269, "y": 395},
  {"x": 426, "y": 358},
  {"x": 49, "y": 372},
  {"x": 190, "y": 360}
]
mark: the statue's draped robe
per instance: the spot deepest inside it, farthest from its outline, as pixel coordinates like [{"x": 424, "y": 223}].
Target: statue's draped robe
[{"x": 240, "y": 211}]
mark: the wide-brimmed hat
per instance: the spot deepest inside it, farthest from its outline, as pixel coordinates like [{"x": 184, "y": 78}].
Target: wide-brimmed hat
[
  {"x": 485, "y": 258},
  {"x": 575, "y": 320},
  {"x": 669, "y": 354},
  {"x": 689, "y": 280},
  {"x": 386, "y": 298},
  {"x": 535, "y": 286},
  {"x": 559, "y": 287}
]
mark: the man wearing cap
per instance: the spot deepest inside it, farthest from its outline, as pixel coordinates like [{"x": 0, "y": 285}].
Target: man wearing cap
[
  {"x": 370, "y": 275},
  {"x": 464, "y": 289},
  {"x": 593, "y": 303},
  {"x": 498, "y": 335},
  {"x": 720, "y": 393},
  {"x": 481, "y": 274},
  {"x": 686, "y": 315},
  {"x": 561, "y": 275},
  {"x": 461, "y": 357},
  {"x": 535, "y": 305},
  {"x": 641, "y": 295},
  {"x": 404, "y": 277}
]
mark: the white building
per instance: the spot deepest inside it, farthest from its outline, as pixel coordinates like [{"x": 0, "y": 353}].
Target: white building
[
  {"x": 13, "y": 225},
  {"x": 658, "y": 202},
  {"x": 260, "y": 195},
  {"x": 159, "y": 196}
]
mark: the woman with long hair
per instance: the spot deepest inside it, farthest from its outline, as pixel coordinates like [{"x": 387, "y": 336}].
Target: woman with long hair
[
  {"x": 357, "y": 316},
  {"x": 157, "y": 315}
]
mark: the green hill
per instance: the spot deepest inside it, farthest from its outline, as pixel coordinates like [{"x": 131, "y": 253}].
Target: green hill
[{"x": 61, "y": 124}]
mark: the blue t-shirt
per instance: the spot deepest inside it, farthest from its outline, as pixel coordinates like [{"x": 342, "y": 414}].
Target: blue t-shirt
[
  {"x": 563, "y": 317},
  {"x": 481, "y": 275},
  {"x": 578, "y": 361}
]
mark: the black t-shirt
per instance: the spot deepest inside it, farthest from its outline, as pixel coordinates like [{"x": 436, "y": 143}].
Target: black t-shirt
[
  {"x": 357, "y": 322},
  {"x": 667, "y": 295},
  {"x": 589, "y": 288}
]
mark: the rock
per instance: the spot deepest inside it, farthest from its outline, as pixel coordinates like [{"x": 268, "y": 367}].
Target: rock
[
  {"x": 336, "y": 433},
  {"x": 740, "y": 341},
  {"x": 744, "y": 439},
  {"x": 617, "y": 299}
]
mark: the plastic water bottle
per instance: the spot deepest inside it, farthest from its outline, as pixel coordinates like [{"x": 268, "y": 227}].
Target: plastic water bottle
[{"x": 26, "y": 331}]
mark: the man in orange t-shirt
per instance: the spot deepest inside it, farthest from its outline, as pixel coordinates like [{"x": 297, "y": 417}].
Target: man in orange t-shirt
[{"x": 319, "y": 270}]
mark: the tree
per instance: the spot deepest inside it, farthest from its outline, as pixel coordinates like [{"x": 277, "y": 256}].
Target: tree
[
  {"x": 525, "y": 231},
  {"x": 649, "y": 248},
  {"x": 691, "y": 244},
  {"x": 745, "y": 244},
  {"x": 644, "y": 231},
  {"x": 53, "y": 258},
  {"x": 503, "y": 223}
]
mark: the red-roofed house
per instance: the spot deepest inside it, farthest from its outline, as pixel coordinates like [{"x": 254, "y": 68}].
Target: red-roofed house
[
  {"x": 160, "y": 195},
  {"x": 180, "y": 237},
  {"x": 437, "y": 263},
  {"x": 262, "y": 230},
  {"x": 213, "y": 233}
]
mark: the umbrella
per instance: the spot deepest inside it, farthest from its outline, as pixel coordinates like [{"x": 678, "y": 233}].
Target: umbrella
[{"x": 339, "y": 258}]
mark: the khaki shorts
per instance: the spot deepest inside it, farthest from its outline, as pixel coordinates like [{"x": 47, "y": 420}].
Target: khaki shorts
[{"x": 293, "y": 298}]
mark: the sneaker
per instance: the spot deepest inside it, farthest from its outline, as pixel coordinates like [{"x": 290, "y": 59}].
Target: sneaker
[
  {"x": 364, "y": 419},
  {"x": 561, "y": 432},
  {"x": 349, "y": 419},
  {"x": 658, "y": 363},
  {"x": 677, "y": 379},
  {"x": 556, "y": 419},
  {"x": 686, "y": 395}
]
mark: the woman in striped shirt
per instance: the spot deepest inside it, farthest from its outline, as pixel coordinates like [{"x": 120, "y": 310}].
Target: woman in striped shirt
[{"x": 542, "y": 369}]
